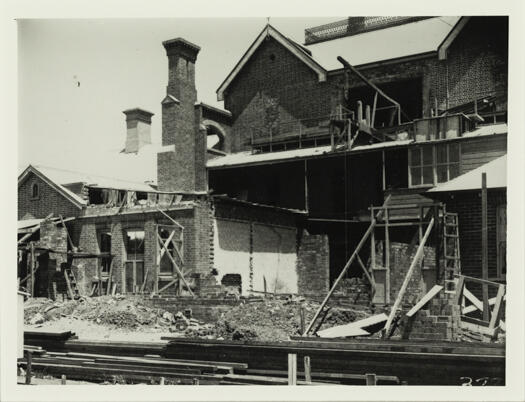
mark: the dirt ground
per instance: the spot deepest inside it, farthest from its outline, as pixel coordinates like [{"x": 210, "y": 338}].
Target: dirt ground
[{"x": 119, "y": 318}]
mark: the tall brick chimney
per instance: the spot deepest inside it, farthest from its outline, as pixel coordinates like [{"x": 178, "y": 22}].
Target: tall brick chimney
[
  {"x": 181, "y": 164},
  {"x": 138, "y": 122}
]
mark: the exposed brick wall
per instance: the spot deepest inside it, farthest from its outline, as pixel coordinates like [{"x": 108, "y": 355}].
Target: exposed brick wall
[
  {"x": 268, "y": 92},
  {"x": 477, "y": 60},
  {"x": 313, "y": 263},
  {"x": 183, "y": 167},
  {"x": 49, "y": 200},
  {"x": 401, "y": 256},
  {"x": 468, "y": 207},
  {"x": 196, "y": 246}
]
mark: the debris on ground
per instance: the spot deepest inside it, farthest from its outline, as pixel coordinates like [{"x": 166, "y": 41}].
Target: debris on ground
[{"x": 272, "y": 318}]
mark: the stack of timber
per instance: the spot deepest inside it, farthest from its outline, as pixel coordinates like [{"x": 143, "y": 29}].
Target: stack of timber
[
  {"x": 340, "y": 361},
  {"x": 414, "y": 363}
]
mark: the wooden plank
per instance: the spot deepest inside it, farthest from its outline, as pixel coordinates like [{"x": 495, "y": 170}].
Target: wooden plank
[
  {"x": 307, "y": 369},
  {"x": 475, "y": 301},
  {"x": 371, "y": 379},
  {"x": 424, "y": 300},
  {"x": 356, "y": 328},
  {"x": 415, "y": 261},
  {"x": 367, "y": 274},
  {"x": 386, "y": 251},
  {"x": 170, "y": 218},
  {"x": 496, "y": 313},
  {"x": 345, "y": 268},
  {"x": 292, "y": 369}
]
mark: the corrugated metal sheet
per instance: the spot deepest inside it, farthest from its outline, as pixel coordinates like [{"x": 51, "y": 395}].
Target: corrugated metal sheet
[
  {"x": 496, "y": 178},
  {"x": 384, "y": 44}
]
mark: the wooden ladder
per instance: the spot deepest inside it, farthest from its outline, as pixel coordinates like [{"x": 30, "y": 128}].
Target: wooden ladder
[
  {"x": 71, "y": 282},
  {"x": 451, "y": 251}
]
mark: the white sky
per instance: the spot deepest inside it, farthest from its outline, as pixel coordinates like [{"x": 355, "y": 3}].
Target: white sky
[{"x": 120, "y": 64}]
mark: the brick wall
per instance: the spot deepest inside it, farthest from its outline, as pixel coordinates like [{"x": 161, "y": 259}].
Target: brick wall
[
  {"x": 196, "y": 247},
  {"x": 468, "y": 207},
  {"x": 401, "y": 256},
  {"x": 268, "y": 92},
  {"x": 183, "y": 167},
  {"x": 273, "y": 87},
  {"x": 313, "y": 264},
  {"x": 49, "y": 200},
  {"x": 477, "y": 60}
]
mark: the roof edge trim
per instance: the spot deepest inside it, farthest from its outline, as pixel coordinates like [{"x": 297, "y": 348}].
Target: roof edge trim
[
  {"x": 443, "y": 47},
  {"x": 279, "y": 37},
  {"x": 48, "y": 181}
]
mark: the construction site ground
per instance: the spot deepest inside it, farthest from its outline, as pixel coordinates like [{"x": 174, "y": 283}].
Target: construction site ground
[{"x": 129, "y": 318}]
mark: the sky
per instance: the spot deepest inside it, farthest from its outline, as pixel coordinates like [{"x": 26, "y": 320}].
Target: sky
[{"x": 75, "y": 77}]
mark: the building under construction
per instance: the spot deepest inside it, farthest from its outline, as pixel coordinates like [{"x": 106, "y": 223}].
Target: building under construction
[{"x": 330, "y": 161}]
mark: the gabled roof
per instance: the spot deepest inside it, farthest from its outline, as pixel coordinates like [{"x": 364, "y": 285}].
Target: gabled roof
[
  {"x": 414, "y": 38},
  {"x": 69, "y": 195},
  {"x": 293, "y": 47},
  {"x": 64, "y": 177},
  {"x": 496, "y": 171}
]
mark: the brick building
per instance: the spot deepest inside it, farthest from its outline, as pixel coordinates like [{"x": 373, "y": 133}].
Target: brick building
[{"x": 305, "y": 147}]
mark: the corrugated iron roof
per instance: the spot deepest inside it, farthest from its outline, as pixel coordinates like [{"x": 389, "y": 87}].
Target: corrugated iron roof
[
  {"x": 496, "y": 171},
  {"x": 385, "y": 44}
]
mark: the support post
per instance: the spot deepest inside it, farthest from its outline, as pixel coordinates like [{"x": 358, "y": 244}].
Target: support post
[
  {"x": 484, "y": 247},
  {"x": 371, "y": 379},
  {"x": 32, "y": 269},
  {"x": 306, "y": 186},
  {"x": 383, "y": 169},
  {"x": 29, "y": 367},
  {"x": 387, "y": 258},
  {"x": 292, "y": 369},
  {"x": 307, "y": 369},
  {"x": 63, "y": 380},
  {"x": 415, "y": 261}
]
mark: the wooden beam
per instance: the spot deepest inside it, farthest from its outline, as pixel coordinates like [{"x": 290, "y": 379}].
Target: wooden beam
[
  {"x": 475, "y": 301},
  {"x": 169, "y": 217},
  {"x": 424, "y": 300},
  {"x": 345, "y": 268},
  {"x": 32, "y": 269},
  {"x": 369, "y": 277},
  {"x": 386, "y": 253},
  {"x": 484, "y": 246},
  {"x": 366, "y": 81},
  {"x": 292, "y": 369},
  {"x": 415, "y": 261},
  {"x": 73, "y": 248},
  {"x": 496, "y": 313},
  {"x": 180, "y": 273},
  {"x": 307, "y": 369}
]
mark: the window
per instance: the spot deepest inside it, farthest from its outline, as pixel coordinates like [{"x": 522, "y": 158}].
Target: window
[
  {"x": 104, "y": 246},
  {"x": 35, "y": 191},
  {"x": 134, "y": 267},
  {"x": 166, "y": 266},
  {"x": 433, "y": 164},
  {"x": 135, "y": 244}
]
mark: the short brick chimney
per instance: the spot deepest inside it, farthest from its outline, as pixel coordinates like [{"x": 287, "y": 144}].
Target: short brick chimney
[
  {"x": 138, "y": 122},
  {"x": 181, "y": 165}
]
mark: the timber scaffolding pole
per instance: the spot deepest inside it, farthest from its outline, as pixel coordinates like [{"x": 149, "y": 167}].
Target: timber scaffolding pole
[
  {"x": 381, "y": 217},
  {"x": 347, "y": 265},
  {"x": 395, "y": 104}
]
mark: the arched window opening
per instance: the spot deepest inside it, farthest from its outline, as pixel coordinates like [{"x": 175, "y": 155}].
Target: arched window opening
[{"x": 35, "y": 191}]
